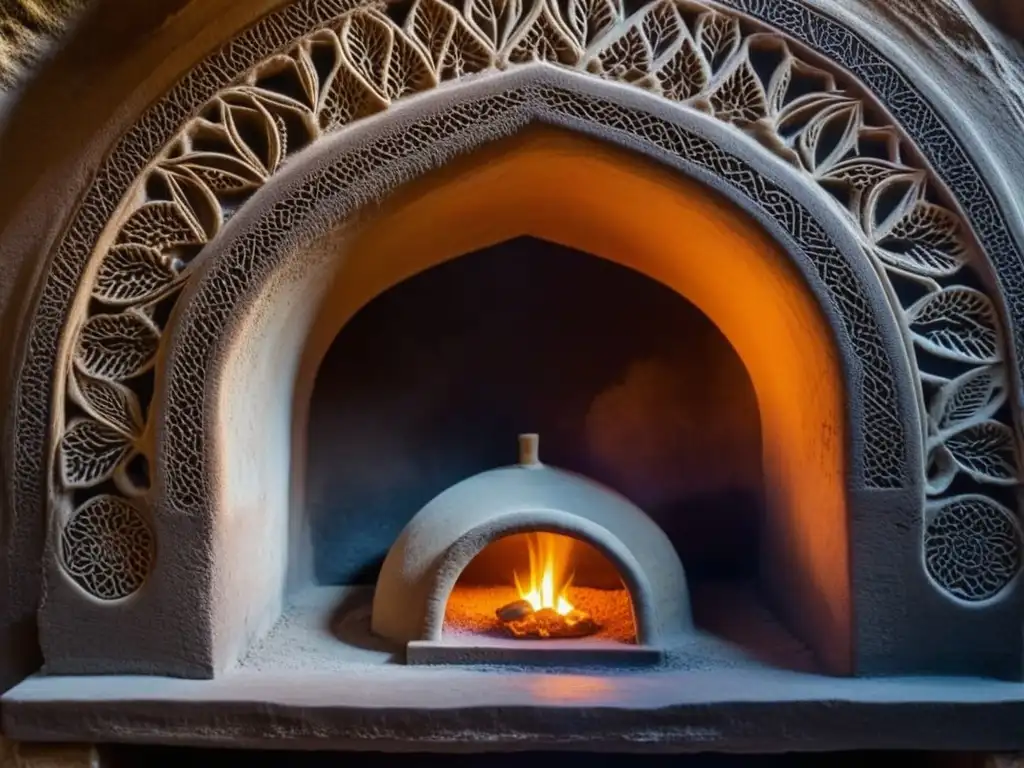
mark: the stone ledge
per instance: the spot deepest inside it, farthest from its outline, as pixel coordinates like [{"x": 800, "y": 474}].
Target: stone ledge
[{"x": 398, "y": 708}]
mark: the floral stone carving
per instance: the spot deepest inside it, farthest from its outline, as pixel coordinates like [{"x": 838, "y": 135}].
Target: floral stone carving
[{"x": 691, "y": 54}]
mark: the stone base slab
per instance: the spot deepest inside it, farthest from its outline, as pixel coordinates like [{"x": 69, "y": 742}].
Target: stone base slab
[{"x": 419, "y": 709}]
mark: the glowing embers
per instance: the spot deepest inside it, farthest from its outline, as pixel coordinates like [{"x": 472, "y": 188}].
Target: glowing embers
[
  {"x": 542, "y": 610},
  {"x": 540, "y": 586}
]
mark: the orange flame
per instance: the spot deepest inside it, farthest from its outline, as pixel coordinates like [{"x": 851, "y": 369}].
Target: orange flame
[{"x": 549, "y": 561}]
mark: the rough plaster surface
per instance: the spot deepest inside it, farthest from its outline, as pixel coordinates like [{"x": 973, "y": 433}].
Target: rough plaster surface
[
  {"x": 1003, "y": 129},
  {"x": 426, "y": 560}
]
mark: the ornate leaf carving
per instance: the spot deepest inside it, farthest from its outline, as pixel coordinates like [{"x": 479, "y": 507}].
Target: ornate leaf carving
[
  {"x": 830, "y": 134},
  {"x": 543, "y": 37},
  {"x": 366, "y": 42},
  {"x": 468, "y": 53},
  {"x": 161, "y": 225},
  {"x": 719, "y": 38},
  {"x": 220, "y": 172},
  {"x": 117, "y": 346},
  {"x": 109, "y": 402},
  {"x": 856, "y": 177},
  {"x": 684, "y": 74},
  {"x": 409, "y": 70},
  {"x": 432, "y": 24},
  {"x": 348, "y": 98},
  {"x": 253, "y": 131},
  {"x": 90, "y": 452},
  {"x": 986, "y": 451},
  {"x": 976, "y": 394},
  {"x": 890, "y": 201},
  {"x": 192, "y": 195},
  {"x": 741, "y": 97},
  {"x": 926, "y": 241},
  {"x": 627, "y": 58},
  {"x": 494, "y": 20},
  {"x": 588, "y": 20},
  {"x": 956, "y": 323},
  {"x": 663, "y": 27},
  {"x": 131, "y": 274}
]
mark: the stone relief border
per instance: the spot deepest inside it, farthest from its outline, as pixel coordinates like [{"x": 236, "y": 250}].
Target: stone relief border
[{"x": 355, "y": 64}]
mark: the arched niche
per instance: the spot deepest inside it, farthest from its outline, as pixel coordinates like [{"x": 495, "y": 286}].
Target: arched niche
[{"x": 487, "y": 201}]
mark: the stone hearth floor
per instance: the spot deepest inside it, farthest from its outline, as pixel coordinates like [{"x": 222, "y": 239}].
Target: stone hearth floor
[{"x": 319, "y": 680}]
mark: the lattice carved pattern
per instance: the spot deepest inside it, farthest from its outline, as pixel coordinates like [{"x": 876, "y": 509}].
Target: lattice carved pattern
[{"x": 694, "y": 55}]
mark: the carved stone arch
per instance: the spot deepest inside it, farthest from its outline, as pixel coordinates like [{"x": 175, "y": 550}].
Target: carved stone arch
[{"x": 163, "y": 196}]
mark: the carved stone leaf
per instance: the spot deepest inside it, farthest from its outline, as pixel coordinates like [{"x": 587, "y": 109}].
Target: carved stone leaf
[
  {"x": 778, "y": 85},
  {"x": 467, "y": 53},
  {"x": 663, "y": 27},
  {"x": 543, "y": 37},
  {"x": 972, "y": 396},
  {"x": 192, "y": 195},
  {"x": 109, "y": 402},
  {"x": 494, "y": 20},
  {"x": 295, "y": 75},
  {"x": 117, "y": 346},
  {"x": 367, "y": 40},
  {"x": 90, "y": 452},
  {"x": 856, "y": 177},
  {"x": 348, "y": 98},
  {"x": 956, "y": 323},
  {"x": 308, "y": 77},
  {"x": 431, "y": 23},
  {"x": 830, "y": 134},
  {"x": 740, "y": 98},
  {"x": 161, "y": 225},
  {"x": 926, "y": 241},
  {"x": 588, "y": 20},
  {"x": 131, "y": 274},
  {"x": 253, "y": 131},
  {"x": 221, "y": 173},
  {"x": 987, "y": 452},
  {"x": 684, "y": 74},
  {"x": 890, "y": 201},
  {"x": 627, "y": 58},
  {"x": 409, "y": 70},
  {"x": 719, "y": 38}
]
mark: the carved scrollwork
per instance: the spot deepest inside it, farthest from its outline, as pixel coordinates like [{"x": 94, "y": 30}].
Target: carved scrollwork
[
  {"x": 972, "y": 547},
  {"x": 697, "y": 56},
  {"x": 107, "y": 548}
]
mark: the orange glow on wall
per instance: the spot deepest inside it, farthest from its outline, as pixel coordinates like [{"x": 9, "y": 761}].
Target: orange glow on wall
[{"x": 617, "y": 205}]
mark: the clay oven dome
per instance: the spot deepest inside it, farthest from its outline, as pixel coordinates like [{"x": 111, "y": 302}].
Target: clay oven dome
[{"x": 426, "y": 560}]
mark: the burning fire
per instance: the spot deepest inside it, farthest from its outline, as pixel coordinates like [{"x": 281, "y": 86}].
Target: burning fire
[{"x": 549, "y": 562}]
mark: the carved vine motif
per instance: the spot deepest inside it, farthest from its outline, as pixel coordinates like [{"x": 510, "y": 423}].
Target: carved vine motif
[{"x": 686, "y": 52}]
